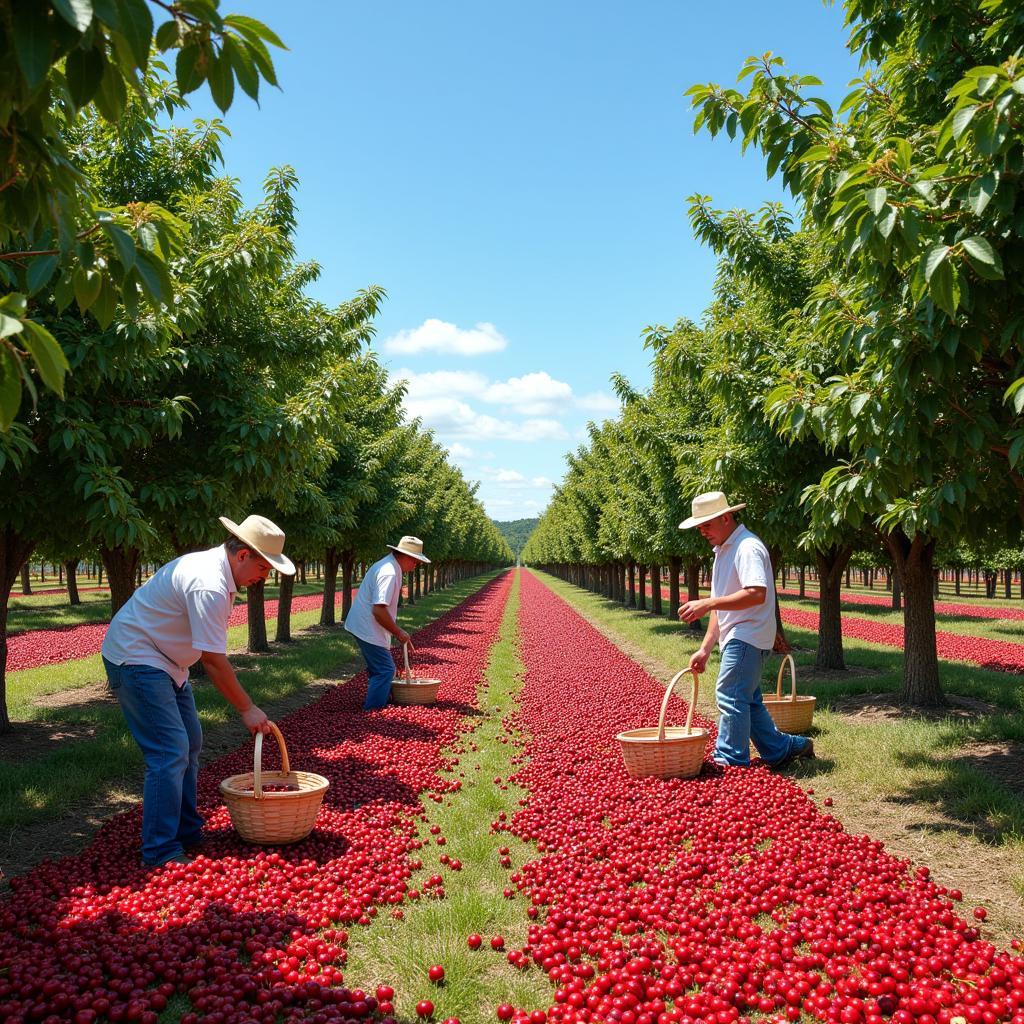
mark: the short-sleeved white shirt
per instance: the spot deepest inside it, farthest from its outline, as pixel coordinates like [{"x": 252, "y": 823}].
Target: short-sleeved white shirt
[
  {"x": 381, "y": 585},
  {"x": 175, "y": 616},
  {"x": 743, "y": 561}
]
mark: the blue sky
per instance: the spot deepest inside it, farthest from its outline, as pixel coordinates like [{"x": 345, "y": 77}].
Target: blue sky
[{"x": 515, "y": 175}]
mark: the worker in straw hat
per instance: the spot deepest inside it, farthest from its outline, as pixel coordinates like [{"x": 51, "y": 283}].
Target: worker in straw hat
[
  {"x": 371, "y": 619},
  {"x": 741, "y": 612},
  {"x": 178, "y": 617}
]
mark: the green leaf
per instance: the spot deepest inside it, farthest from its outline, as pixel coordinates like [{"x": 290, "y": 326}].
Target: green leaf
[
  {"x": 983, "y": 257},
  {"x": 10, "y": 387},
  {"x": 31, "y": 32},
  {"x": 979, "y": 195},
  {"x": 943, "y": 287},
  {"x": 858, "y": 402},
  {"x": 251, "y": 28},
  {"x": 961, "y": 119},
  {"x": 77, "y": 13},
  {"x": 167, "y": 35},
  {"x": 154, "y": 278},
  {"x": 188, "y": 69},
  {"x": 10, "y": 325},
  {"x": 245, "y": 68},
  {"x": 123, "y": 244},
  {"x": 40, "y": 270},
  {"x": 222, "y": 82},
  {"x": 111, "y": 97},
  {"x": 105, "y": 306},
  {"x": 1016, "y": 447},
  {"x": 875, "y": 198},
  {"x": 261, "y": 55},
  {"x": 933, "y": 258},
  {"x": 1016, "y": 392},
  {"x": 47, "y": 354},
  {"x": 137, "y": 28},
  {"x": 84, "y": 72},
  {"x": 87, "y": 287}
]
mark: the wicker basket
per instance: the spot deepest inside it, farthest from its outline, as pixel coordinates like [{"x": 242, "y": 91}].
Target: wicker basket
[
  {"x": 413, "y": 691},
  {"x": 666, "y": 752},
  {"x": 793, "y": 713},
  {"x": 279, "y": 818}
]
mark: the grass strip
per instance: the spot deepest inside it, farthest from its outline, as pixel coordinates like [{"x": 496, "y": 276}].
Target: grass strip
[{"x": 399, "y": 952}]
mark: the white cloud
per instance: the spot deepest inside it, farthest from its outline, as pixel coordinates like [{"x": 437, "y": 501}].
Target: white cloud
[
  {"x": 533, "y": 394},
  {"x": 508, "y": 476},
  {"x": 441, "y": 383},
  {"x": 439, "y": 336},
  {"x": 454, "y": 419},
  {"x": 460, "y": 451},
  {"x": 541, "y": 482}
]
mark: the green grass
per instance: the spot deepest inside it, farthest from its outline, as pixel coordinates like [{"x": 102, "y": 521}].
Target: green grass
[
  {"x": 108, "y": 760},
  {"x": 399, "y": 953},
  {"x": 909, "y": 766}
]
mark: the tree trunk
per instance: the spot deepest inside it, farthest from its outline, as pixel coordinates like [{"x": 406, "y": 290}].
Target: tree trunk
[
  {"x": 121, "y": 563},
  {"x": 957, "y": 573},
  {"x": 914, "y": 561},
  {"x": 656, "y": 588},
  {"x": 330, "y": 572},
  {"x": 803, "y": 580},
  {"x": 832, "y": 563},
  {"x": 641, "y": 601},
  {"x": 781, "y": 644},
  {"x": 302, "y": 572},
  {"x": 60, "y": 574},
  {"x": 411, "y": 587},
  {"x": 26, "y": 582},
  {"x": 675, "y": 564},
  {"x": 897, "y": 592},
  {"x": 419, "y": 581},
  {"x": 283, "y": 635},
  {"x": 631, "y": 570},
  {"x": 71, "y": 568},
  {"x": 257, "y": 618},
  {"x": 348, "y": 561},
  {"x": 14, "y": 551}
]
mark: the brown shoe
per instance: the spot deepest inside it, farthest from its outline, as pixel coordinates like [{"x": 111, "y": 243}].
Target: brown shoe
[{"x": 806, "y": 751}]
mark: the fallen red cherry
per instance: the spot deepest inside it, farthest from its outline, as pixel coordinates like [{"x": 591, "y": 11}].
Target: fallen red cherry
[
  {"x": 436, "y": 973},
  {"x": 498, "y": 942},
  {"x": 424, "y": 1008},
  {"x": 505, "y": 1011},
  {"x": 474, "y": 941}
]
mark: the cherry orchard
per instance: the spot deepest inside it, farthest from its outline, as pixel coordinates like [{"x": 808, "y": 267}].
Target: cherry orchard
[
  {"x": 717, "y": 899},
  {"x": 250, "y": 934}
]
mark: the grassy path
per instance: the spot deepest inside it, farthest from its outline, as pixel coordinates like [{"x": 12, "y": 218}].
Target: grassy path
[
  {"x": 924, "y": 785},
  {"x": 430, "y": 931}
]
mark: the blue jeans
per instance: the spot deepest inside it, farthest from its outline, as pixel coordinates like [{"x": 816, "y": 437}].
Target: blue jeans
[
  {"x": 744, "y": 717},
  {"x": 164, "y": 723},
  {"x": 380, "y": 671}
]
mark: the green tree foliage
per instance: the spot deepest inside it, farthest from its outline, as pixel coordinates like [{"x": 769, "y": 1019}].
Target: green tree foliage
[
  {"x": 516, "y": 532},
  {"x": 62, "y": 61},
  {"x": 912, "y": 188}
]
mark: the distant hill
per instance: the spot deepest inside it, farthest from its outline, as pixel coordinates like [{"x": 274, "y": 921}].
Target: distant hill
[{"x": 516, "y": 532}]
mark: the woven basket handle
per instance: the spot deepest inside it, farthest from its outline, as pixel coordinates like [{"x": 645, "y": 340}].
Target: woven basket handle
[
  {"x": 792, "y": 676},
  {"x": 405, "y": 655},
  {"x": 257, "y": 759},
  {"x": 668, "y": 693}
]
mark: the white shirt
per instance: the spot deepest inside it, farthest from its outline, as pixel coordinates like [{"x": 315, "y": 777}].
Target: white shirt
[
  {"x": 381, "y": 585},
  {"x": 742, "y": 561},
  {"x": 175, "y": 616}
]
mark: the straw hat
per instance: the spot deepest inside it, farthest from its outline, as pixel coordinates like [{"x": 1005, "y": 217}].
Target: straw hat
[
  {"x": 266, "y": 539},
  {"x": 411, "y": 546},
  {"x": 706, "y": 507}
]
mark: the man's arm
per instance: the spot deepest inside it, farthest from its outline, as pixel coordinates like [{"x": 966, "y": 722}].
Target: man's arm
[
  {"x": 745, "y": 597},
  {"x": 222, "y": 675},
  {"x": 699, "y": 658},
  {"x": 382, "y": 614}
]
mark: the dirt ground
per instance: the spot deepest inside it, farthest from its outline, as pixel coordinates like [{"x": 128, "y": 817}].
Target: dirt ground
[{"x": 24, "y": 847}]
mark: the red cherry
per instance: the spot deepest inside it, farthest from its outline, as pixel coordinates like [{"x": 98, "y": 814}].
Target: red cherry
[
  {"x": 385, "y": 992},
  {"x": 474, "y": 941},
  {"x": 424, "y": 1008},
  {"x": 498, "y": 942},
  {"x": 980, "y": 913},
  {"x": 505, "y": 1011},
  {"x": 436, "y": 973}
]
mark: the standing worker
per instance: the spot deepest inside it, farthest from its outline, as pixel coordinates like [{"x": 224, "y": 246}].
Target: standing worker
[
  {"x": 178, "y": 617},
  {"x": 371, "y": 619},
  {"x": 742, "y": 622}
]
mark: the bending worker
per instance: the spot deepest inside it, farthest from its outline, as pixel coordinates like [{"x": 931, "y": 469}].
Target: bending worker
[
  {"x": 742, "y": 622},
  {"x": 178, "y": 617},
  {"x": 371, "y": 619}
]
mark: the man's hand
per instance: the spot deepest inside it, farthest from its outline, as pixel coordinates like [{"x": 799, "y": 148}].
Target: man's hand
[
  {"x": 694, "y": 610},
  {"x": 404, "y": 638},
  {"x": 699, "y": 660},
  {"x": 255, "y": 720}
]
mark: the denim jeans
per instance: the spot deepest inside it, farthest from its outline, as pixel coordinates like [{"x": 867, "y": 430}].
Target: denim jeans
[
  {"x": 380, "y": 670},
  {"x": 164, "y": 723},
  {"x": 744, "y": 718}
]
